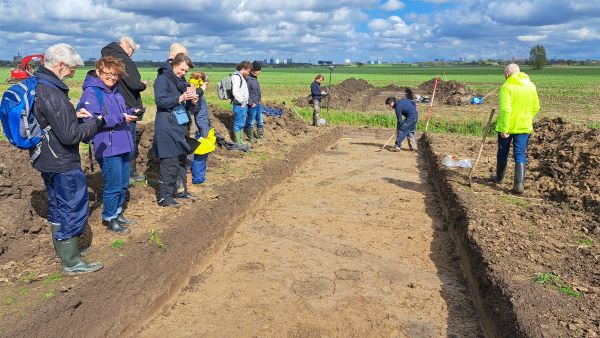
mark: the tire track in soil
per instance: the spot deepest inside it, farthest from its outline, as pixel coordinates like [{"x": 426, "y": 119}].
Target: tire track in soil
[{"x": 352, "y": 245}]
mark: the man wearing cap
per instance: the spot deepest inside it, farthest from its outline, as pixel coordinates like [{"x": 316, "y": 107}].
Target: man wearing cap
[{"x": 254, "y": 105}]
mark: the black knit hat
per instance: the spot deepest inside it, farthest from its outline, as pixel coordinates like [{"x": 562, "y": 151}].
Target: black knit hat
[{"x": 256, "y": 65}]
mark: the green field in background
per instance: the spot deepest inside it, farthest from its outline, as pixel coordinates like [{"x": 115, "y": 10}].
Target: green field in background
[{"x": 570, "y": 92}]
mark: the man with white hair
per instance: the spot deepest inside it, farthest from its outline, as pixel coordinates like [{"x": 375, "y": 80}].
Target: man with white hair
[
  {"x": 131, "y": 86},
  {"x": 175, "y": 49},
  {"x": 519, "y": 103},
  {"x": 59, "y": 161}
]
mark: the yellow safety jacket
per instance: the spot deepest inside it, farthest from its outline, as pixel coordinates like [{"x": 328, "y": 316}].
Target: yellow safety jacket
[{"x": 519, "y": 103}]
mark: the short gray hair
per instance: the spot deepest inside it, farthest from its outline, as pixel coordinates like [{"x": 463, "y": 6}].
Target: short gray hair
[
  {"x": 177, "y": 48},
  {"x": 510, "y": 69},
  {"x": 61, "y": 52},
  {"x": 126, "y": 40}
]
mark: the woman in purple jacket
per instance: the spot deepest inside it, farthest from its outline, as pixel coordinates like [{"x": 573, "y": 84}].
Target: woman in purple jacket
[{"x": 113, "y": 142}]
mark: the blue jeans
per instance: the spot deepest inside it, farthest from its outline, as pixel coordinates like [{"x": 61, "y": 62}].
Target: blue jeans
[
  {"x": 519, "y": 141},
  {"x": 115, "y": 172},
  {"x": 239, "y": 117},
  {"x": 405, "y": 128},
  {"x": 67, "y": 202},
  {"x": 254, "y": 114},
  {"x": 199, "y": 168}
]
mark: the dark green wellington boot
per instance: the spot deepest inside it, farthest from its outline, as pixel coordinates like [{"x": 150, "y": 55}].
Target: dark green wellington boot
[
  {"x": 261, "y": 134},
  {"x": 68, "y": 251},
  {"x": 55, "y": 227},
  {"x": 239, "y": 137},
  {"x": 499, "y": 175},
  {"x": 249, "y": 135},
  {"x": 519, "y": 183}
]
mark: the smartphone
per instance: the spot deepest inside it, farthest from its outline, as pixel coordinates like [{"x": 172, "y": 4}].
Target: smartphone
[{"x": 191, "y": 88}]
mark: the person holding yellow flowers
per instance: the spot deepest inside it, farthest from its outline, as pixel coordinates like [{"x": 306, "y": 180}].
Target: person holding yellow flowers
[{"x": 205, "y": 134}]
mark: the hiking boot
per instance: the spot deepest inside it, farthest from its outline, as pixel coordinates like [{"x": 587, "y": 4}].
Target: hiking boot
[
  {"x": 68, "y": 252},
  {"x": 238, "y": 137},
  {"x": 169, "y": 203},
  {"x": 499, "y": 175},
  {"x": 124, "y": 221},
  {"x": 396, "y": 149},
  {"x": 114, "y": 225},
  {"x": 186, "y": 195},
  {"x": 412, "y": 143},
  {"x": 261, "y": 134},
  {"x": 519, "y": 182},
  {"x": 249, "y": 135}
]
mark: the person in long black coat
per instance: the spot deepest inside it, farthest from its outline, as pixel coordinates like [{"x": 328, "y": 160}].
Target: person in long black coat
[{"x": 171, "y": 147}]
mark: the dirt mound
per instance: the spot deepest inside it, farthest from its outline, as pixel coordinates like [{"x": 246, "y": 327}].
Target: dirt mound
[
  {"x": 451, "y": 93},
  {"x": 355, "y": 95},
  {"x": 564, "y": 160}
]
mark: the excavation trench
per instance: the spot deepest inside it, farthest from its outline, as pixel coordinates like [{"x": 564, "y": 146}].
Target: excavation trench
[{"x": 353, "y": 244}]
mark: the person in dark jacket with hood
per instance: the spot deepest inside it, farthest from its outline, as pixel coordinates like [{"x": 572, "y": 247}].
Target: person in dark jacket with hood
[
  {"x": 254, "y": 105},
  {"x": 130, "y": 85},
  {"x": 405, "y": 128},
  {"x": 316, "y": 94},
  {"x": 59, "y": 161},
  {"x": 113, "y": 143},
  {"x": 170, "y": 129}
]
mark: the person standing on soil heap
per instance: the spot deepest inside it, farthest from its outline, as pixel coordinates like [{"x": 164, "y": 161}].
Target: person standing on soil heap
[
  {"x": 131, "y": 86},
  {"x": 519, "y": 103},
  {"x": 59, "y": 161},
  {"x": 200, "y": 112},
  {"x": 406, "y": 108},
  {"x": 239, "y": 87},
  {"x": 113, "y": 143},
  {"x": 316, "y": 95},
  {"x": 172, "y": 99},
  {"x": 254, "y": 105}
]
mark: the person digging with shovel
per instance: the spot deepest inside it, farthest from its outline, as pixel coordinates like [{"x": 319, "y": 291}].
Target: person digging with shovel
[
  {"x": 405, "y": 128},
  {"x": 519, "y": 103}
]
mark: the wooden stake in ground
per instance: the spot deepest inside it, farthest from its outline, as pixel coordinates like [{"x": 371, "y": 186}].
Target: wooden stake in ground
[
  {"x": 430, "y": 109},
  {"x": 485, "y": 133},
  {"x": 386, "y": 143}
]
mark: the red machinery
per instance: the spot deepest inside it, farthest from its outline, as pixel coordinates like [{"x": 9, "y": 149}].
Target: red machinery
[{"x": 26, "y": 67}]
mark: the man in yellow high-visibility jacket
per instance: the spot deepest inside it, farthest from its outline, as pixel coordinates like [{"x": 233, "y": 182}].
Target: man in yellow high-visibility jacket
[{"x": 519, "y": 103}]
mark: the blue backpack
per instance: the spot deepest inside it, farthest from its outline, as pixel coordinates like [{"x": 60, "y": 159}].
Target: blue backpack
[{"x": 18, "y": 121}]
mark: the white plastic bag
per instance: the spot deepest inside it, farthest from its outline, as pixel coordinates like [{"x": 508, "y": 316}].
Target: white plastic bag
[{"x": 450, "y": 163}]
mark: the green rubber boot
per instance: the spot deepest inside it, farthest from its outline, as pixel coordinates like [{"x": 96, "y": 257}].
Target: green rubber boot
[
  {"x": 68, "y": 251},
  {"x": 249, "y": 135},
  {"x": 261, "y": 134},
  {"x": 239, "y": 137}
]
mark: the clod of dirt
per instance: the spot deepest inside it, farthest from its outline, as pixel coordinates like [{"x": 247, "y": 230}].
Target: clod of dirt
[
  {"x": 314, "y": 287},
  {"x": 451, "y": 93},
  {"x": 344, "y": 274},
  {"x": 564, "y": 161},
  {"x": 348, "y": 252},
  {"x": 252, "y": 267}
]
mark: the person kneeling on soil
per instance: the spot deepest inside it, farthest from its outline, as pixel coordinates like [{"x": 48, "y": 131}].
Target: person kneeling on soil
[
  {"x": 254, "y": 105},
  {"x": 170, "y": 127},
  {"x": 113, "y": 144},
  {"x": 59, "y": 161},
  {"x": 406, "y": 108},
  {"x": 519, "y": 103},
  {"x": 200, "y": 113},
  {"x": 316, "y": 94}
]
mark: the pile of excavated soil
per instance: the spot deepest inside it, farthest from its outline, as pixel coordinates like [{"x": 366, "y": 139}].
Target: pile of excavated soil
[
  {"x": 564, "y": 160},
  {"x": 451, "y": 93},
  {"x": 355, "y": 95}
]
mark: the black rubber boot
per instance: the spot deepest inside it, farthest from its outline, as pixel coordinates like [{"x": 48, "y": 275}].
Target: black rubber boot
[
  {"x": 114, "y": 225},
  {"x": 55, "y": 227},
  {"x": 68, "y": 252},
  {"x": 124, "y": 221},
  {"x": 499, "y": 175},
  {"x": 519, "y": 183}
]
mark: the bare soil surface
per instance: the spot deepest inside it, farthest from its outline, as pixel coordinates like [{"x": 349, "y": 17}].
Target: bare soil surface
[
  {"x": 352, "y": 245},
  {"x": 508, "y": 241}
]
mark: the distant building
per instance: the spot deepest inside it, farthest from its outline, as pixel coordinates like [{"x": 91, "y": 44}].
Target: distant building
[
  {"x": 265, "y": 61},
  {"x": 320, "y": 62},
  {"x": 289, "y": 61},
  {"x": 347, "y": 61},
  {"x": 272, "y": 61},
  {"x": 276, "y": 61}
]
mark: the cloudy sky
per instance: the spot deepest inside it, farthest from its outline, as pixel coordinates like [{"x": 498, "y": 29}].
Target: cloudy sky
[{"x": 308, "y": 30}]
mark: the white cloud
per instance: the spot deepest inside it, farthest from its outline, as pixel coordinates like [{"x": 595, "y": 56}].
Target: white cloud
[
  {"x": 531, "y": 38},
  {"x": 584, "y": 34},
  {"x": 393, "y": 5}
]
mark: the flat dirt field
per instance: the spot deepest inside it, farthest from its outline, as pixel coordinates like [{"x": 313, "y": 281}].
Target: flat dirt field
[{"x": 352, "y": 245}]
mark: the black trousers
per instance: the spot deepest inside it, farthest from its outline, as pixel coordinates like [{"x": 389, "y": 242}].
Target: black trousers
[{"x": 169, "y": 171}]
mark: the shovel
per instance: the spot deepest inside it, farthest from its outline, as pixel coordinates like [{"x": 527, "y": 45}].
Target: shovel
[
  {"x": 485, "y": 133},
  {"x": 386, "y": 143}
]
